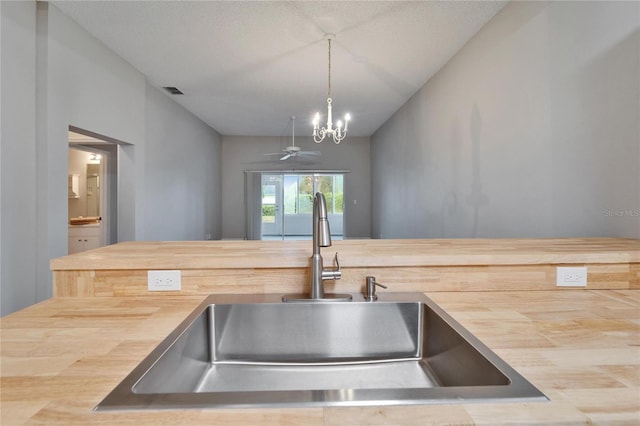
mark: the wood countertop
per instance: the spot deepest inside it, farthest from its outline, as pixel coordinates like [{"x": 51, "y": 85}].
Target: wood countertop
[
  {"x": 405, "y": 265},
  {"x": 581, "y": 348},
  {"x": 186, "y": 255}
]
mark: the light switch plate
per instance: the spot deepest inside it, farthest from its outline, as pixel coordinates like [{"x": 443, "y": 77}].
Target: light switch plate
[
  {"x": 164, "y": 280},
  {"x": 571, "y": 276}
]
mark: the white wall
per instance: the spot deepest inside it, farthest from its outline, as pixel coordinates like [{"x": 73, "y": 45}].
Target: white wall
[
  {"x": 54, "y": 74},
  {"x": 182, "y": 168},
  {"x": 531, "y": 130},
  {"x": 240, "y": 153}
]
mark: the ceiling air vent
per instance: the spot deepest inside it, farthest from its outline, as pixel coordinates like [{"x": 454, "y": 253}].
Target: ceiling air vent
[{"x": 173, "y": 90}]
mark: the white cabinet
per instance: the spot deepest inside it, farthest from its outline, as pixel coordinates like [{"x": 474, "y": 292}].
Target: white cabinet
[
  {"x": 84, "y": 237},
  {"x": 74, "y": 186}
]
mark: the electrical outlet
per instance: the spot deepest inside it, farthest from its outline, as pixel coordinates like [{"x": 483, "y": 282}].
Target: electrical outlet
[
  {"x": 571, "y": 276},
  {"x": 163, "y": 280}
]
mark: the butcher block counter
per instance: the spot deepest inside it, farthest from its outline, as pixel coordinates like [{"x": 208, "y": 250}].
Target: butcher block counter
[
  {"x": 405, "y": 265},
  {"x": 581, "y": 347}
]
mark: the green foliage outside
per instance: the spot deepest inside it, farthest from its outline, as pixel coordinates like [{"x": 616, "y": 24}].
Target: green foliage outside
[
  {"x": 268, "y": 213},
  {"x": 299, "y": 192},
  {"x": 339, "y": 202}
]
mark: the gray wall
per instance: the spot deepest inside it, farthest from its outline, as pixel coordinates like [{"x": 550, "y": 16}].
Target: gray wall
[
  {"x": 182, "y": 170},
  {"x": 54, "y": 74},
  {"x": 531, "y": 130},
  {"x": 81, "y": 83},
  {"x": 17, "y": 154},
  {"x": 240, "y": 153}
]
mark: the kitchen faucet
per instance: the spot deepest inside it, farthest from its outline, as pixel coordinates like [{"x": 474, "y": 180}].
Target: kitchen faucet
[{"x": 321, "y": 238}]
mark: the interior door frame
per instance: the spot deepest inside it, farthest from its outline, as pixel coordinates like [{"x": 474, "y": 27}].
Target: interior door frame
[{"x": 110, "y": 149}]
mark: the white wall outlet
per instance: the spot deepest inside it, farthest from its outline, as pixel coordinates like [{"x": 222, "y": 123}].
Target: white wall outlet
[
  {"x": 163, "y": 280},
  {"x": 571, "y": 276}
]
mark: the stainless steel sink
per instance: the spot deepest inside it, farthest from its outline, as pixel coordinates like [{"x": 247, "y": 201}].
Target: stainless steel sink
[{"x": 255, "y": 351}]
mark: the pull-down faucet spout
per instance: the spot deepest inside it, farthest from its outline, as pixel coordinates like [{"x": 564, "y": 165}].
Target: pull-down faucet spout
[
  {"x": 321, "y": 231},
  {"x": 321, "y": 238}
]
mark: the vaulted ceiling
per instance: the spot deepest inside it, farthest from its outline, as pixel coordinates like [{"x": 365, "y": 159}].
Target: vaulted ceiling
[{"x": 245, "y": 67}]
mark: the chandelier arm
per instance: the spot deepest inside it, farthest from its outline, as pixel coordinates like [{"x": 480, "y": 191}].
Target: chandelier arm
[{"x": 320, "y": 138}]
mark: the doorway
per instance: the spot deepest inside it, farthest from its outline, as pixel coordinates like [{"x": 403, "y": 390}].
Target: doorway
[{"x": 92, "y": 205}]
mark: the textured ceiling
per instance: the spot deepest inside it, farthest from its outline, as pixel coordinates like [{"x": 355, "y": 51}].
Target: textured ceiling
[{"x": 245, "y": 67}]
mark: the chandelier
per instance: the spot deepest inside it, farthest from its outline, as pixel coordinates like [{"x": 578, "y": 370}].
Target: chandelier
[{"x": 339, "y": 132}]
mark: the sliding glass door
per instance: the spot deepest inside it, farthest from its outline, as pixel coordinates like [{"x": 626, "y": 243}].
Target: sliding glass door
[{"x": 287, "y": 204}]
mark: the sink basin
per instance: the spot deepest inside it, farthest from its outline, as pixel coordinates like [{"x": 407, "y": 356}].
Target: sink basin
[{"x": 255, "y": 351}]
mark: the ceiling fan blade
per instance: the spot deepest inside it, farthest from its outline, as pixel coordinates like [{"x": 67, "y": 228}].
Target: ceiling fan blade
[
  {"x": 286, "y": 156},
  {"x": 274, "y": 153},
  {"x": 309, "y": 153}
]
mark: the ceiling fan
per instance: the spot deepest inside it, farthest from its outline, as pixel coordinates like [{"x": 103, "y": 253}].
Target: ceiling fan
[{"x": 293, "y": 150}]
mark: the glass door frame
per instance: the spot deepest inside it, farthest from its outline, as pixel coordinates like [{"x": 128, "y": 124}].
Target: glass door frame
[{"x": 273, "y": 228}]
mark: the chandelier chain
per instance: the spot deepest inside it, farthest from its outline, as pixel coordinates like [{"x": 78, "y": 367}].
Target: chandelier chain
[{"x": 329, "y": 93}]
